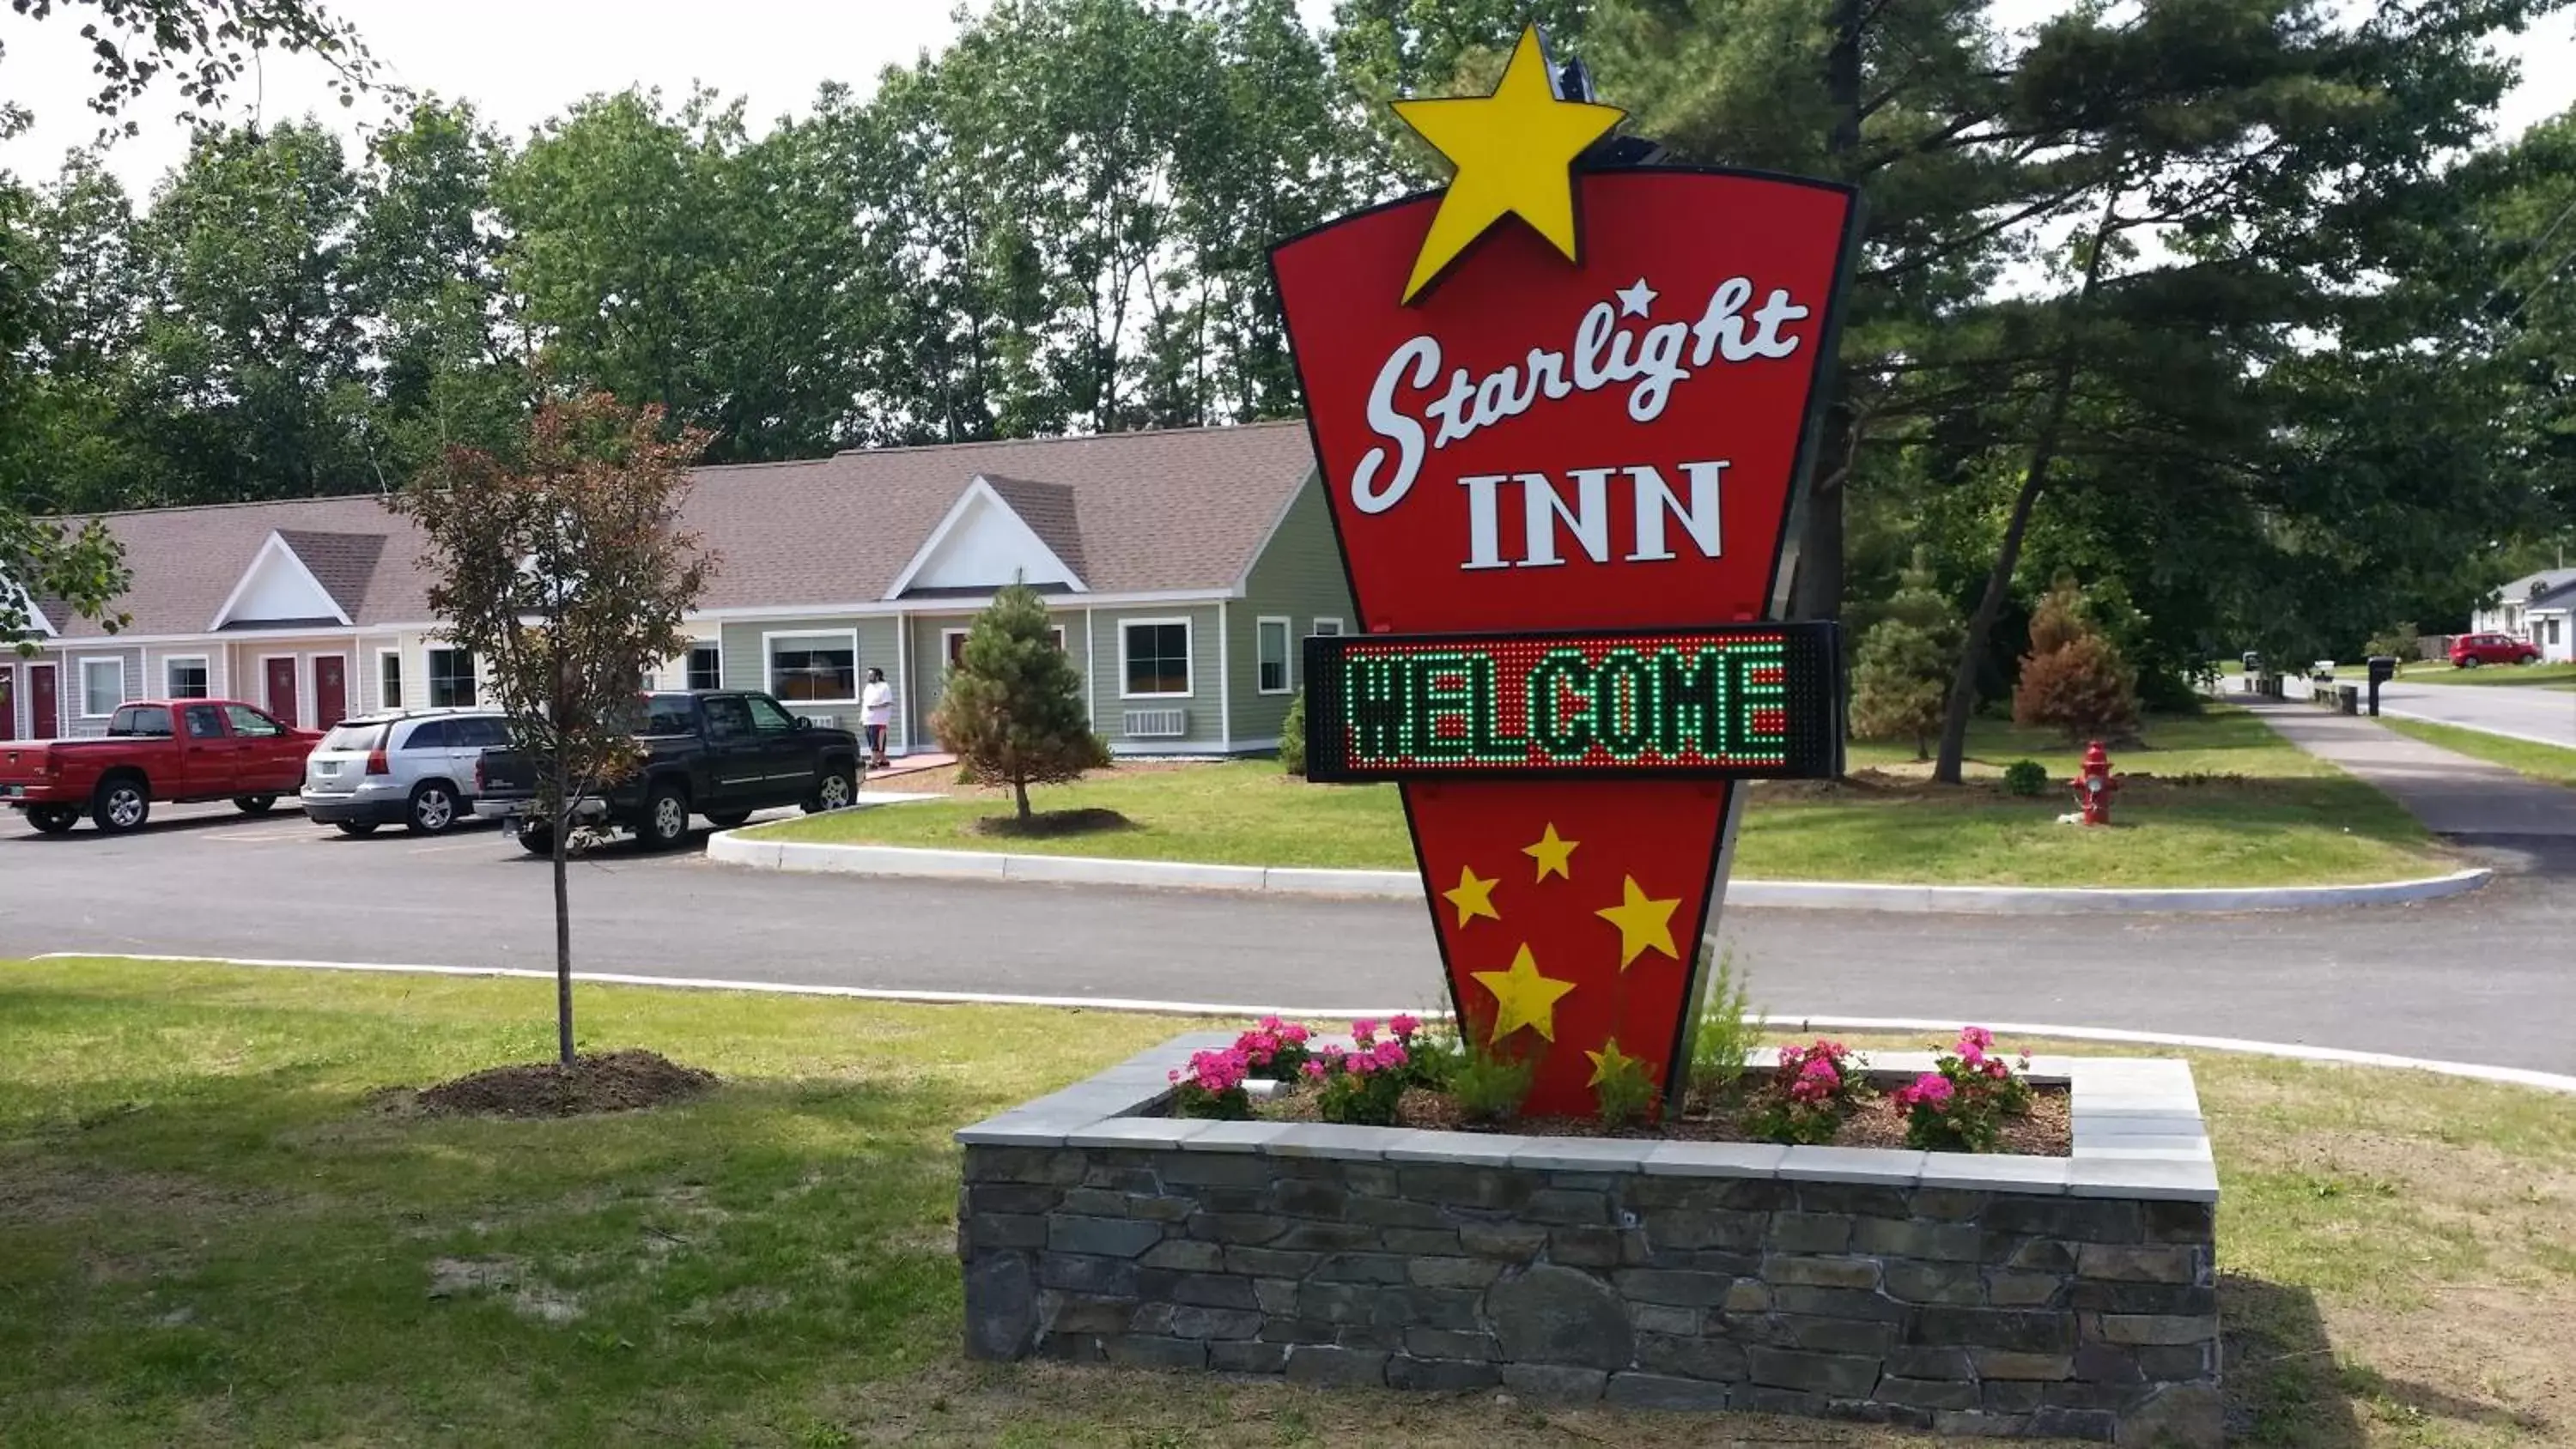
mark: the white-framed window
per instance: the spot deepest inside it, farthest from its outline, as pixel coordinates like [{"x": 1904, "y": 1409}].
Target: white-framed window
[
  {"x": 952, "y": 643},
  {"x": 818, "y": 668},
  {"x": 186, "y": 676},
  {"x": 389, "y": 680},
  {"x": 1154, "y": 658},
  {"x": 451, "y": 679},
  {"x": 1327, "y": 628},
  {"x": 706, "y": 666},
  {"x": 1270, "y": 655},
  {"x": 102, "y": 686}
]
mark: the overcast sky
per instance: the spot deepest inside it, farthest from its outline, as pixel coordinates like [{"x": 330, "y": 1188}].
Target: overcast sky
[{"x": 521, "y": 61}]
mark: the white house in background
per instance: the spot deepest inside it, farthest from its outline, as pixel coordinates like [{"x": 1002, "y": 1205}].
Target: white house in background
[
  {"x": 2549, "y": 620},
  {"x": 2508, "y": 609}
]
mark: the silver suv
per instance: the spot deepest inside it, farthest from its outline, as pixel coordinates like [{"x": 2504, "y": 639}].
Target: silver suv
[{"x": 413, "y": 768}]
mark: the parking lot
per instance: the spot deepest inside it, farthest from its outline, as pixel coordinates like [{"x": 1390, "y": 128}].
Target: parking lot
[{"x": 205, "y": 880}]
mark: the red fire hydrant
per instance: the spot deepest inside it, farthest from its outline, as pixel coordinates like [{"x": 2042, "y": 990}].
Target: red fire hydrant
[{"x": 2095, "y": 786}]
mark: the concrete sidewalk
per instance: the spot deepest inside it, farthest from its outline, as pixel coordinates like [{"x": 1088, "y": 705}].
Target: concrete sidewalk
[{"x": 2451, "y": 793}]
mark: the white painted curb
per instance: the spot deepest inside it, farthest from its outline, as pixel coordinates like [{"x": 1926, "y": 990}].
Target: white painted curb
[
  {"x": 1770, "y": 1020},
  {"x": 735, "y": 848}
]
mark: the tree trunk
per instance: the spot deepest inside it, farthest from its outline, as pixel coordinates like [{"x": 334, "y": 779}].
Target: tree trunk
[
  {"x": 1020, "y": 794},
  {"x": 1817, "y": 590},
  {"x": 562, "y": 844},
  {"x": 2034, "y": 481}
]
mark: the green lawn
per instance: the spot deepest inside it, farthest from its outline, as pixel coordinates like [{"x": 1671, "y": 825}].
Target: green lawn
[
  {"x": 2229, "y": 804},
  {"x": 2540, "y": 762},
  {"x": 216, "y": 1231},
  {"x": 2434, "y": 671}
]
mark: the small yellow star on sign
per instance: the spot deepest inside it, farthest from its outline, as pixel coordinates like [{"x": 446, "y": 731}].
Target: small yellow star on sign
[
  {"x": 1609, "y": 1062},
  {"x": 1644, "y": 925},
  {"x": 1514, "y": 151},
  {"x": 1522, "y": 997},
  {"x": 1473, "y": 897},
  {"x": 1554, "y": 856}
]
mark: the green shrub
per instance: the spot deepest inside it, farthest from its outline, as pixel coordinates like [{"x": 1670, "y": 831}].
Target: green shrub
[
  {"x": 1901, "y": 679},
  {"x": 1728, "y": 1025},
  {"x": 1292, "y": 737},
  {"x": 1488, "y": 1083},
  {"x": 2027, "y": 778},
  {"x": 1623, "y": 1091}
]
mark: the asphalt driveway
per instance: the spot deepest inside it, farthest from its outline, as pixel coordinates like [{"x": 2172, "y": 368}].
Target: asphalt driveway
[
  {"x": 2489, "y": 977},
  {"x": 2533, "y": 713}
]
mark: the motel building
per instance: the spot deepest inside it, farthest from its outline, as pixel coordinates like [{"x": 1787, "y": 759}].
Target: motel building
[{"x": 1183, "y": 569}]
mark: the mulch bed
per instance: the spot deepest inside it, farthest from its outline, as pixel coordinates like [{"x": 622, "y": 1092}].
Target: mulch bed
[
  {"x": 2048, "y": 1131},
  {"x": 1050, "y": 823},
  {"x": 624, "y": 1081}
]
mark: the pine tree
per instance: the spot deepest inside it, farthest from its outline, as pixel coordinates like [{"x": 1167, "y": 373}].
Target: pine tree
[
  {"x": 1013, "y": 712},
  {"x": 1902, "y": 677},
  {"x": 2073, "y": 677}
]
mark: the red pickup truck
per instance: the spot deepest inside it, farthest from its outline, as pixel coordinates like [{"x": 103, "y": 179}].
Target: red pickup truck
[{"x": 178, "y": 750}]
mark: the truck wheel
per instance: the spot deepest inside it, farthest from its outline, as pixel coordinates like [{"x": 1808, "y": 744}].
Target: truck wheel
[
  {"x": 53, "y": 819},
  {"x": 254, "y": 804},
  {"x": 433, "y": 809},
  {"x": 537, "y": 839},
  {"x": 356, "y": 827},
  {"x": 727, "y": 820},
  {"x": 838, "y": 787},
  {"x": 666, "y": 818},
  {"x": 121, "y": 804}
]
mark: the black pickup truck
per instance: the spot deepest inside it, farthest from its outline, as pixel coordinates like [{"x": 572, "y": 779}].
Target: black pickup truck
[{"x": 718, "y": 754}]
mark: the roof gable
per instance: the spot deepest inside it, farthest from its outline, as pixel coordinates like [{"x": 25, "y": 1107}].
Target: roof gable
[
  {"x": 985, "y": 542},
  {"x": 344, "y": 564},
  {"x": 278, "y": 588},
  {"x": 38, "y": 624}
]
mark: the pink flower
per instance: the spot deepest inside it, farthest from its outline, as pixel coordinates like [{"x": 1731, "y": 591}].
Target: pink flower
[
  {"x": 1403, "y": 1025},
  {"x": 1363, "y": 1029},
  {"x": 1314, "y": 1069},
  {"x": 1292, "y": 1033},
  {"x": 1995, "y": 1068},
  {"x": 1176, "y": 1074},
  {"x": 1388, "y": 1053}
]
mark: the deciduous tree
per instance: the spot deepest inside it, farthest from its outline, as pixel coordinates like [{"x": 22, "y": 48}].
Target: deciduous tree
[{"x": 563, "y": 568}]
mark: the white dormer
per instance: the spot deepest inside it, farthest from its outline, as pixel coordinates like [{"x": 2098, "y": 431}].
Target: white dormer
[
  {"x": 984, "y": 543},
  {"x": 278, "y": 588}
]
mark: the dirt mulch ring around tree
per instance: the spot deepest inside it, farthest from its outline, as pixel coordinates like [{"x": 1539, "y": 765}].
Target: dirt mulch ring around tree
[
  {"x": 623, "y": 1081},
  {"x": 2048, "y": 1130},
  {"x": 1047, "y": 824}
]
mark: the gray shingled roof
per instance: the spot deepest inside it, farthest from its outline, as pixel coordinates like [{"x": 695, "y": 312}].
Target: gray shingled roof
[{"x": 1130, "y": 512}]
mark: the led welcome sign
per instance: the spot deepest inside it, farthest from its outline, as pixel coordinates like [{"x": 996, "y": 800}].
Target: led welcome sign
[{"x": 1739, "y": 702}]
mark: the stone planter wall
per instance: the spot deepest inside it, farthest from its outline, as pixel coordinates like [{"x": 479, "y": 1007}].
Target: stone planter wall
[{"x": 2009, "y": 1296}]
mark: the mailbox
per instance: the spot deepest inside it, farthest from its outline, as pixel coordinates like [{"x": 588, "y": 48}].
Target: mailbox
[{"x": 2383, "y": 668}]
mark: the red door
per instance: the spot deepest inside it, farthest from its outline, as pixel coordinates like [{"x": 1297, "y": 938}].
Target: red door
[
  {"x": 44, "y": 711},
  {"x": 330, "y": 690},
  {"x": 8, "y": 703},
  {"x": 281, "y": 690}
]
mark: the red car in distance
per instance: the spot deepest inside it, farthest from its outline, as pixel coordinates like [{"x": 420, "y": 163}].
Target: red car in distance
[
  {"x": 2468, "y": 651},
  {"x": 178, "y": 749}
]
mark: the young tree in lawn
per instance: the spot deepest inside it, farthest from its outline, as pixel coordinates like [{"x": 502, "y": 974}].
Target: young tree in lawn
[
  {"x": 564, "y": 570},
  {"x": 1902, "y": 676},
  {"x": 1013, "y": 711}
]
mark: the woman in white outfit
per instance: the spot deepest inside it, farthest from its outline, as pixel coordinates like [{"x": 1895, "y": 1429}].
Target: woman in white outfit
[{"x": 876, "y": 710}]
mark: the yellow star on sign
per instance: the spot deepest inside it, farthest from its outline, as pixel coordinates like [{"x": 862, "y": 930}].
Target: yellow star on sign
[
  {"x": 1643, "y": 924},
  {"x": 1473, "y": 897},
  {"x": 1609, "y": 1062},
  {"x": 1514, "y": 151},
  {"x": 1524, "y": 997},
  {"x": 1553, "y": 855}
]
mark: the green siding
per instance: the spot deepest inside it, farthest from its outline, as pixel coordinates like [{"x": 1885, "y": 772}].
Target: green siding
[
  {"x": 746, "y": 660},
  {"x": 1299, "y": 578},
  {"x": 930, "y": 659},
  {"x": 1206, "y": 729}
]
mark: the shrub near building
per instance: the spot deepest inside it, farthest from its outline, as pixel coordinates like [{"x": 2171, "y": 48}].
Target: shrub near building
[
  {"x": 1013, "y": 711},
  {"x": 2074, "y": 678}
]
